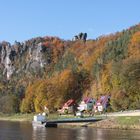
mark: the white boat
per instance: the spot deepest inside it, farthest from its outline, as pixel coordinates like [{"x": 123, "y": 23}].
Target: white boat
[{"x": 39, "y": 120}]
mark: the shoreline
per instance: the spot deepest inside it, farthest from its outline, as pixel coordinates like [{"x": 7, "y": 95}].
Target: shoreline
[
  {"x": 16, "y": 117},
  {"x": 111, "y": 122}
]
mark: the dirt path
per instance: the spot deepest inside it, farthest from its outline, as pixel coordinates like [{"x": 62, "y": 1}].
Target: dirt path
[{"x": 125, "y": 113}]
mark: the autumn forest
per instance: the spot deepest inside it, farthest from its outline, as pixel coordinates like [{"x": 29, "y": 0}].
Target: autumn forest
[{"x": 107, "y": 65}]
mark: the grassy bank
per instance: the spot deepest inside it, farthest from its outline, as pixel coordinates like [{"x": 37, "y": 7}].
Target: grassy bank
[
  {"x": 111, "y": 123},
  {"x": 123, "y": 122},
  {"x": 29, "y": 117},
  {"x": 16, "y": 117}
]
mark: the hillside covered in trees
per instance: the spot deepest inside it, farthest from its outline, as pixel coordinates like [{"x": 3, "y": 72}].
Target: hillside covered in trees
[{"x": 47, "y": 71}]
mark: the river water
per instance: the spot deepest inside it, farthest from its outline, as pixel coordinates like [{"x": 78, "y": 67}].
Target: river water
[{"x": 25, "y": 131}]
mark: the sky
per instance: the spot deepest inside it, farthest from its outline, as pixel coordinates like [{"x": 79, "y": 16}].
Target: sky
[{"x": 21, "y": 20}]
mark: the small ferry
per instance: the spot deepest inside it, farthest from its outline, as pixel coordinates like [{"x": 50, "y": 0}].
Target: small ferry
[{"x": 39, "y": 120}]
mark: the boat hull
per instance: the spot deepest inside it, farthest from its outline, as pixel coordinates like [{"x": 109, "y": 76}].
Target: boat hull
[{"x": 38, "y": 123}]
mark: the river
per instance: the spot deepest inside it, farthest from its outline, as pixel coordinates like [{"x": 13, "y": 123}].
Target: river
[{"x": 25, "y": 131}]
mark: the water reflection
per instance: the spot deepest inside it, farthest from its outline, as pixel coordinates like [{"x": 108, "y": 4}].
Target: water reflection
[
  {"x": 39, "y": 133},
  {"x": 25, "y": 131},
  {"x": 83, "y": 134}
]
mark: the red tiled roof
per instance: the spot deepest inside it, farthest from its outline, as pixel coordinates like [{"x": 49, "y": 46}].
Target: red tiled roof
[{"x": 69, "y": 102}]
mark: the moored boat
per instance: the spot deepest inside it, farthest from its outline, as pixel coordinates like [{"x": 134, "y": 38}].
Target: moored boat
[{"x": 39, "y": 120}]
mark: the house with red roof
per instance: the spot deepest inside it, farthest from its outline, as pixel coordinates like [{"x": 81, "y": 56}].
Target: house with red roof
[
  {"x": 68, "y": 107},
  {"x": 86, "y": 104},
  {"x": 102, "y": 103}
]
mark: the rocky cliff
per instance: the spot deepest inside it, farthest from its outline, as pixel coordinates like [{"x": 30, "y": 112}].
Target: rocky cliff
[{"x": 28, "y": 56}]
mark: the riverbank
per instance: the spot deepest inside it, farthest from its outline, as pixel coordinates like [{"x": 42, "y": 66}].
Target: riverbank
[
  {"x": 16, "y": 117},
  {"x": 29, "y": 117},
  {"x": 110, "y": 122},
  {"x": 132, "y": 122},
  {"x": 119, "y": 122}
]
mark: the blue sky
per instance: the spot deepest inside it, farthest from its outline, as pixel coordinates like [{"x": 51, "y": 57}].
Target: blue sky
[{"x": 24, "y": 19}]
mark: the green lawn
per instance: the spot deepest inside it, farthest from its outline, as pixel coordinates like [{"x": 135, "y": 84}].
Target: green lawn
[
  {"x": 16, "y": 117},
  {"x": 135, "y": 120}
]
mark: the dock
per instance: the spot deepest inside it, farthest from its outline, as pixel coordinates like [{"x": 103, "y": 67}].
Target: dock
[{"x": 54, "y": 123}]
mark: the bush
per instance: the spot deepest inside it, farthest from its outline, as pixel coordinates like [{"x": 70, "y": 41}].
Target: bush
[{"x": 9, "y": 104}]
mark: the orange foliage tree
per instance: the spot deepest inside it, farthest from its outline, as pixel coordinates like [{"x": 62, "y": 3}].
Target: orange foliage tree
[{"x": 134, "y": 46}]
